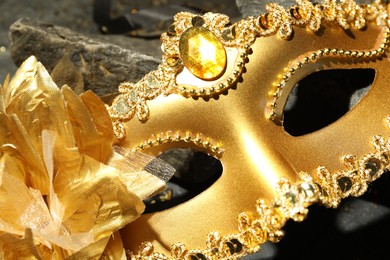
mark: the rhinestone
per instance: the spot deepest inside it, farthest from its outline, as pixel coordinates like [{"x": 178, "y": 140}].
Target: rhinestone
[
  {"x": 234, "y": 246},
  {"x": 197, "y": 21},
  {"x": 308, "y": 190},
  {"x": 228, "y": 35},
  {"x": 295, "y": 13},
  {"x": 321, "y": 190},
  {"x": 198, "y": 256},
  {"x": 234, "y": 29},
  {"x": 291, "y": 196},
  {"x": 122, "y": 107},
  {"x": 345, "y": 184},
  {"x": 372, "y": 166},
  {"x": 265, "y": 21},
  {"x": 202, "y": 53},
  {"x": 171, "y": 30},
  {"x": 133, "y": 96},
  {"x": 152, "y": 83}
]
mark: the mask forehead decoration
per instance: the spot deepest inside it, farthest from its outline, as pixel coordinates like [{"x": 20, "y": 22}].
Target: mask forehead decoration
[{"x": 221, "y": 88}]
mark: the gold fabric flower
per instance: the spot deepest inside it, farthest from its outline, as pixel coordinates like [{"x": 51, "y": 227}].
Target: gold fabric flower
[{"x": 64, "y": 190}]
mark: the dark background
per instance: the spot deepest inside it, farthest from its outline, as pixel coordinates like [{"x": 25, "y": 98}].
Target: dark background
[{"x": 358, "y": 229}]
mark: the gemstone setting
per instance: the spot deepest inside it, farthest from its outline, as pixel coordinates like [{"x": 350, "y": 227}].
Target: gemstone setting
[{"x": 202, "y": 53}]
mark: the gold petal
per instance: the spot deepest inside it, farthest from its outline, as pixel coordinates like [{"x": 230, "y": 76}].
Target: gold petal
[
  {"x": 93, "y": 251},
  {"x": 133, "y": 175},
  {"x": 99, "y": 114},
  {"x": 91, "y": 138},
  {"x": 105, "y": 190},
  {"x": 15, "y": 143},
  {"x": 19, "y": 248},
  {"x": 37, "y": 102},
  {"x": 66, "y": 73},
  {"x": 114, "y": 248}
]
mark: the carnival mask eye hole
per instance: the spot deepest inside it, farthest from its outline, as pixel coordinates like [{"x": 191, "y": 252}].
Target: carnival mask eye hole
[
  {"x": 195, "y": 172},
  {"x": 323, "y": 97}
]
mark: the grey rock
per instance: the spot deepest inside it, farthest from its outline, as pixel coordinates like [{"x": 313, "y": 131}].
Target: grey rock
[
  {"x": 103, "y": 65},
  {"x": 356, "y": 214},
  {"x": 180, "y": 158},
  {"x": 227, "y": 7},
  {"x": 268, "y": 251},
  {"x": 76, "y": 15},
  {"x": 7, "y": 66},
  {"x": 256, "y": 7}
]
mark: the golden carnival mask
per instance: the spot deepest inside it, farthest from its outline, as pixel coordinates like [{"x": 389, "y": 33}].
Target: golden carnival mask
[{"x": 221, "y": 88}]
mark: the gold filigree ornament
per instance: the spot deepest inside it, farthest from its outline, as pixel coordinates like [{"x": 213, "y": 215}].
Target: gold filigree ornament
[{"x": 221, "y": 88}]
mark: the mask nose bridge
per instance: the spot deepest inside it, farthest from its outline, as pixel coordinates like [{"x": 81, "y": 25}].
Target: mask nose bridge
[
  {"x": 251, "y": 168},
  {"x": 251, "y": 162}
]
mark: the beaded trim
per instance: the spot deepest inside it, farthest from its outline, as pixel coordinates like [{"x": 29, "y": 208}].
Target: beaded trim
[
  {"x": 198, "y": 139},
  {"x": 358, "y": 55}
]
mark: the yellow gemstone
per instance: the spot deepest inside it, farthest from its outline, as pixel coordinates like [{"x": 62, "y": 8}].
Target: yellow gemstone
[{"x": 202, "y": 53}]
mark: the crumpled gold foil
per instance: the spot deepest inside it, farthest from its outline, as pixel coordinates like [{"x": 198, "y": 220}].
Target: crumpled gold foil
[{"x": 64, "y": 190}]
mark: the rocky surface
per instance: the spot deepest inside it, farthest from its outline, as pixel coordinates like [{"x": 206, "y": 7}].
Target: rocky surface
[
  {"x": 72, "y": 14},
  {"x": 103, "y": 65},
  {"x": 255, "y": 7}
]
